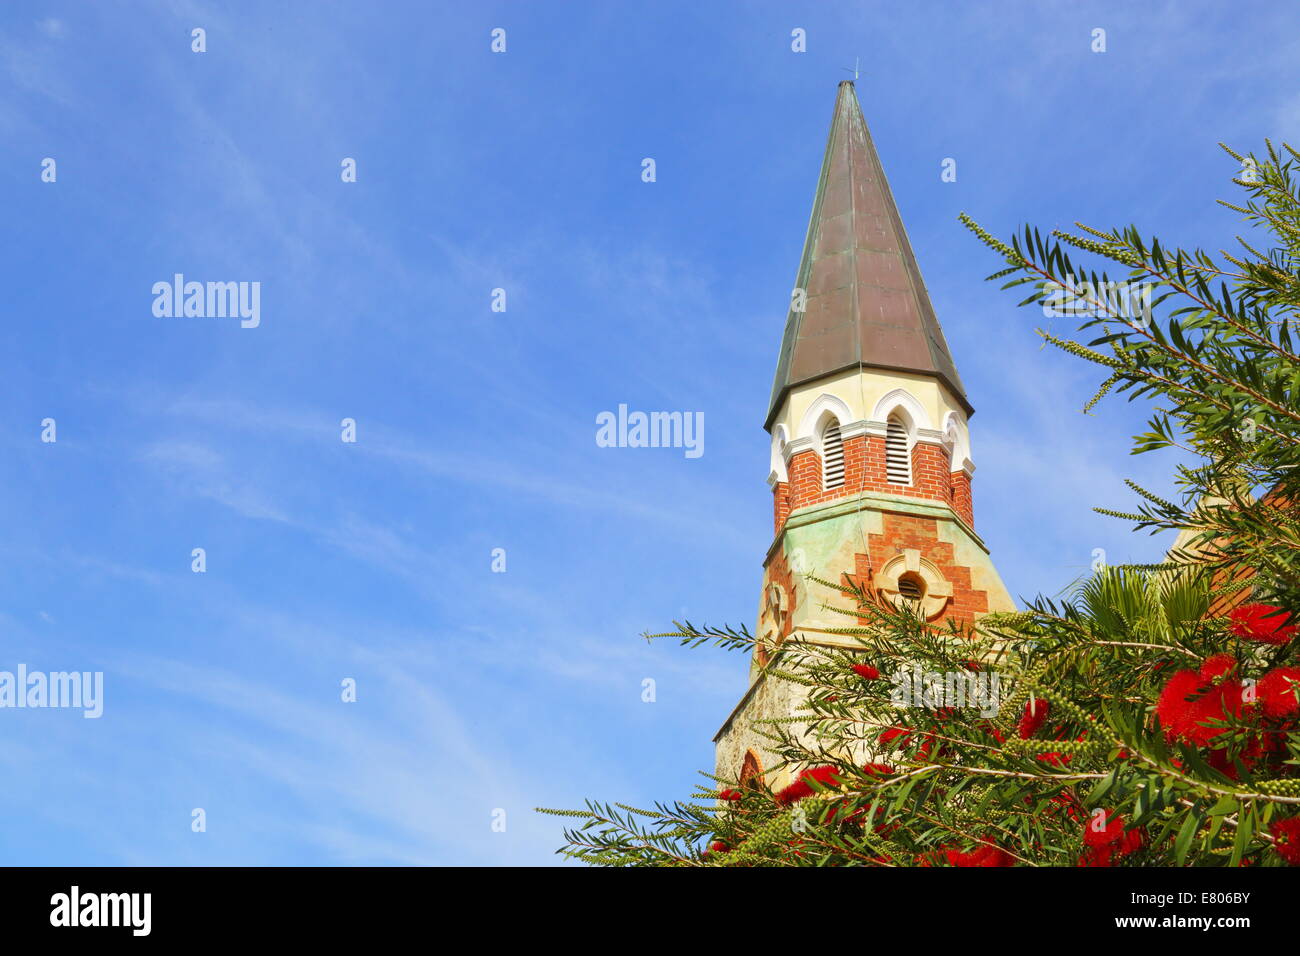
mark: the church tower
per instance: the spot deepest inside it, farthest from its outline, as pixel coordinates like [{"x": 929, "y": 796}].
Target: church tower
[{"x": 871, "y": 462}]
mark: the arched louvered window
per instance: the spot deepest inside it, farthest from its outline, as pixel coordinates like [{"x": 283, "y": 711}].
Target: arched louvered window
[
  {"x": 832, "y": 456},
  {"x": 898, "y": 456}
]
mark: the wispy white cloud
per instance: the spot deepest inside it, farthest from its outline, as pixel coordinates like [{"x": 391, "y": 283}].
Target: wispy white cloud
[
  {"x": 197, "y": 469},
  {"x": 522, "y": 471},
  {"x": 402, "y": 759}
]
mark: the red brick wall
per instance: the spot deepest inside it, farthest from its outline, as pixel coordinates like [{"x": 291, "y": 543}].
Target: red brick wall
[
  {"x": 864, "y": 470},
  {"x": 903, "y": 532},
  {"x": 782, "y": 575},
  {"x": 779, "y": 573},
  {"x": 930, "y": 472},
  {"x": 1224, "y": 603},
  {"x": 780, "y": 503},
  {"x": 962, "y": 502}
]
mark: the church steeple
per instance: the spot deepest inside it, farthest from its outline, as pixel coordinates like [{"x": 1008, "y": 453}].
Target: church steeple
[
  {"x": 859, "y": 298},
  {"x": 870, "y": 450}
]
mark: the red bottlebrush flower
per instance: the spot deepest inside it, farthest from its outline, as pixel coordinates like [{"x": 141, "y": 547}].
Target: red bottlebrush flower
[
  {"x": 1275, "y": 740},
  {"x": 866, "y": 672},
  {"x": 1131, "y": 841},
  {"x": 717, "y": 846},
  {"x": 1187, "y": 706},
  {"x": 1262, "y": 623},
  {"x": 1220, "y": 665},
  {"x": 793, "y": 793},
  {"x": 987, "y": 854},
  {"x": 1103, "y": 830},
  {"x": 898, "y": 738},
  {"x": 827, "y": 776},
  {"x": 1069, "y": 801},
  {"x": 901, "y": 734},
  {"x": 1225, "y": 763},
  {"x": 957, "y": 858},
  {"x": 1032, "y": 719},
  {"x": 1286, "y": 839},
  {"x": 885, "y": 829},
  {"x": 970, "y": 665},
  {"x": 1218, "y": 704},
  {"x": 1173, "y": 707},
  {"x": 843, "y": 811},
  {"x": 1096, "y": 856},
  {"x": 1055, "y": 759},
  {"x": 802, "y": 787},
  {"x": 878, "y": 769},
  {"x": 731, "y": 795},
  {"x": 1276, "y": 691}
]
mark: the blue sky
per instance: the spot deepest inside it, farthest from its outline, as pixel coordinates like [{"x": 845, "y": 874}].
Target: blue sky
[{"x": 372, "y": 560}]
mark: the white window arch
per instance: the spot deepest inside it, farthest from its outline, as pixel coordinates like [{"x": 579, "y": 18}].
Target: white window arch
[
  {"x": 950, "y": 444},
  {"x": 779, "y": 441},
  {"x": 901, "y": 401},
  {"x": 957, "y": 441},
  {"x": 810, "y": 425}
]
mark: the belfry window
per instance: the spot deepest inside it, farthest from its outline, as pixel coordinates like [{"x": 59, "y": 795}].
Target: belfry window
[
  {"x": 832, "y": 456},
  {"x": 898, "y": 456}
]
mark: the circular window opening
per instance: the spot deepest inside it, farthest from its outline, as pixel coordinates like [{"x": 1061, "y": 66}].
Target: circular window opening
[{"x": 911, "y": 586}]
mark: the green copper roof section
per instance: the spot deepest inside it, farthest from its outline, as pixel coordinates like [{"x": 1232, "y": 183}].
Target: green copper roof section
[{"x": 866, "y": 304}]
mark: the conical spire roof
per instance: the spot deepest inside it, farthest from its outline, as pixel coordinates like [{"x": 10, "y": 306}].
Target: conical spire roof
[{"x": 866, "y": 302}]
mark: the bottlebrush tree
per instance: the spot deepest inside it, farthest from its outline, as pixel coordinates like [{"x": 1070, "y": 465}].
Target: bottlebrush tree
[{"x": 1151, "y": 718}]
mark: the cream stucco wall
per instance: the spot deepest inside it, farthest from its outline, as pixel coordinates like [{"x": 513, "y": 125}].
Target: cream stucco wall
[{"x": 862, "y": 401}]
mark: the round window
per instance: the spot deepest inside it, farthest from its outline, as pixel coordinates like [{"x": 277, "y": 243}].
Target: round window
[{"x": 911, "y": 586}]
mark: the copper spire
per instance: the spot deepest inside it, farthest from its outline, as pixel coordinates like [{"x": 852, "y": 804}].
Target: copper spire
[{"x": 866, "y": 302}]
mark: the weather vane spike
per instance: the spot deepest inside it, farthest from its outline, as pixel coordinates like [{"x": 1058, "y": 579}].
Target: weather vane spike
[{"x": 855, "y": 69}]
